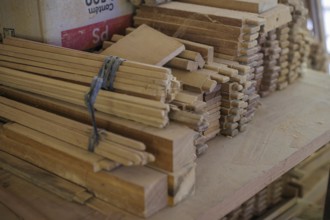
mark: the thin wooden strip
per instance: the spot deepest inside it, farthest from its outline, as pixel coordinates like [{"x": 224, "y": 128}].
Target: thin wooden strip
[
  {"x": 47, "y": 66},
  {"x": 54, "y": 130},
  {"x": 25, "y": 134},
  {"x": 49, "y": 55},
  {"x": 51, "y": 73},
  {"x": 50, "y": 61}
]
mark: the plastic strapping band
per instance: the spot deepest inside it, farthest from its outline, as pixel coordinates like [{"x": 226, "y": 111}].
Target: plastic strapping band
[{"x": 104, "y": 80}]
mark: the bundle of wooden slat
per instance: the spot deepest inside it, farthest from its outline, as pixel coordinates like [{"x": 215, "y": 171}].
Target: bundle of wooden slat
[
  {"x": 133, "y": 78},
  {"x": 123, "y": 187},
  {"x": 173, "y": 146},
  {"x": 234, "y": 103},
  {"x": 124, "y": 106},
  {"x": 255, "y": 6},
  {"x": 294, "y": 47},
  {"x": 283, "y": 61},
  {"x": 318, "y": 56},
  {"x": 233, "y": 36},
  {"x": 114, "y": 147},
  {"x": 202, "y": 85},
  {"x": 259, "y": 203},
  {"x": 271, "y": 50}
]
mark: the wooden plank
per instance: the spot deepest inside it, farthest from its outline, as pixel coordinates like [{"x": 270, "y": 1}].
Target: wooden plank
[
  {"x": 195, "y": 79},
  {"x": 123, "y": 187},
  {"x": 44, "y": 179},
  {"x": 146, "y": 45},
  {"x": 293, "y": 125},
  {"x": 223, "y": 16},
  {"x": 20, "y": 207},
  {"x": 50, "y": 205},
  {"x": 276, "y": 17},
  {"x": 254, "y": 6},
  {"x": 176, "y": 141}
]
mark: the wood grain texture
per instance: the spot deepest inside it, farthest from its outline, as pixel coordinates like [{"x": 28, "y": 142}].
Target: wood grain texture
[
  {"x": 50, "y": 206},
  {"x": 146, "y": 45},
  {"x": 290, "y": 126},
  {"x": 141, "y": 191},
  {"x": 255, "y": 6}
]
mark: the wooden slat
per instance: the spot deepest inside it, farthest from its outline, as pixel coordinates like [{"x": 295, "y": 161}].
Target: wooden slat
[
  {"x": 255, "y": 6},
  {"x": 176, "y": 140},
  {"x": 141, "y": 46},
  {"x": 123, "y": 188}
]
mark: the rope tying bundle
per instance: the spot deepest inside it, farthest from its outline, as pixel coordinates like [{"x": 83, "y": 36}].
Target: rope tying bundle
[{"x": 104, "y": 80}]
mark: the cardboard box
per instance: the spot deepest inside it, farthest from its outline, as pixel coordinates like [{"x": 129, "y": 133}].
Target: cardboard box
[{"x": 78, "y": 24}]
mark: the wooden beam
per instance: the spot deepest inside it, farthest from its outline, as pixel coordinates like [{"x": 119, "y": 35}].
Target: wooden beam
[
  {"x": 173, "y": 146},
  {"x": 146, "y": 45},
  {"x": 123, "y": 187},
  {"x": 254, "y": 6}
]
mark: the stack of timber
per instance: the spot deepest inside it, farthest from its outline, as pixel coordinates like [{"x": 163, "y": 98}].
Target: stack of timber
[
  {"x": 283, "y": 61},
  {"x": 121, "y": 187},
  {"x": 318, "y": 56},
  {"x": 233, "y": 34},
  {"x": 111, "y": 103},
  {"x": 234, "y": 102},
  {"x": 296, "y": 39},
  {"x": 260, "y": 203},
  {"x": 111, "y": 147},
  {"x": 173, "y": 147},
  {"x": 271, "y": 50},
  {"x": 198, "y": 105},
  {"x": 135, "y": 79},
  {"x": 254, "y": 6}
]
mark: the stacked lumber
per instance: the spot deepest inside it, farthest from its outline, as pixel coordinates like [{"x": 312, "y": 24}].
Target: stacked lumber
[
  {"x": 233, "y": 35},
  {"x": 113, "y": 147},
  {"x": 318, "y": 56},
  {"x": 173, "y": 147},
  {"x": 198, "y": 105},
  {"x": 296, "y": 41},
  {"x": 283, "y": 61},
  {"x": 120, "y": 105},
  {"x": 255, "y": 6},
  {"x": 271, "y": 50},
  {"x": 123, "y": 187},
  {"x": 234, "y": 102},
  {"x": 260, "y": 203},
  {"x": 132, "y": 78}
]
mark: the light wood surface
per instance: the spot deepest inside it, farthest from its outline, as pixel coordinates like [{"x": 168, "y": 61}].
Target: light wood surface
[
  {"x": 255, "y": 6},
  {"x": 141, "y": 45},
  {"x": 289, "y": 126}
]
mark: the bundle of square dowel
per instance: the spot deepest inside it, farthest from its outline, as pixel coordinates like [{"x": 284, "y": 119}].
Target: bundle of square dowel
[
  {"x": 294, "y": 49},
  {"x": 234, "y": 102},
  {"x": 271, "y": 50},
  {"x": 198, "y": 105},
  {"x": 133, "y": 78},
  {"x": 146, "y": 88},
  {"x": 233, "y": 36},
  {"x": 36, "y": 124},
  {"x": 49, "y": 83}
]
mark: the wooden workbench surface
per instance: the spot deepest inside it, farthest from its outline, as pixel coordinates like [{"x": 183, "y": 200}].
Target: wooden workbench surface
[{"x": 289, "y": 126}]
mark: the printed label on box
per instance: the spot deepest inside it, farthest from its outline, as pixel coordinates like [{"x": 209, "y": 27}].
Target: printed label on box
[{"x": 93, "y": 35}]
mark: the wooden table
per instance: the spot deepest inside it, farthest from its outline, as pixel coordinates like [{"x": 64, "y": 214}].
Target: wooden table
[{"x": 289, "y": 126}]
